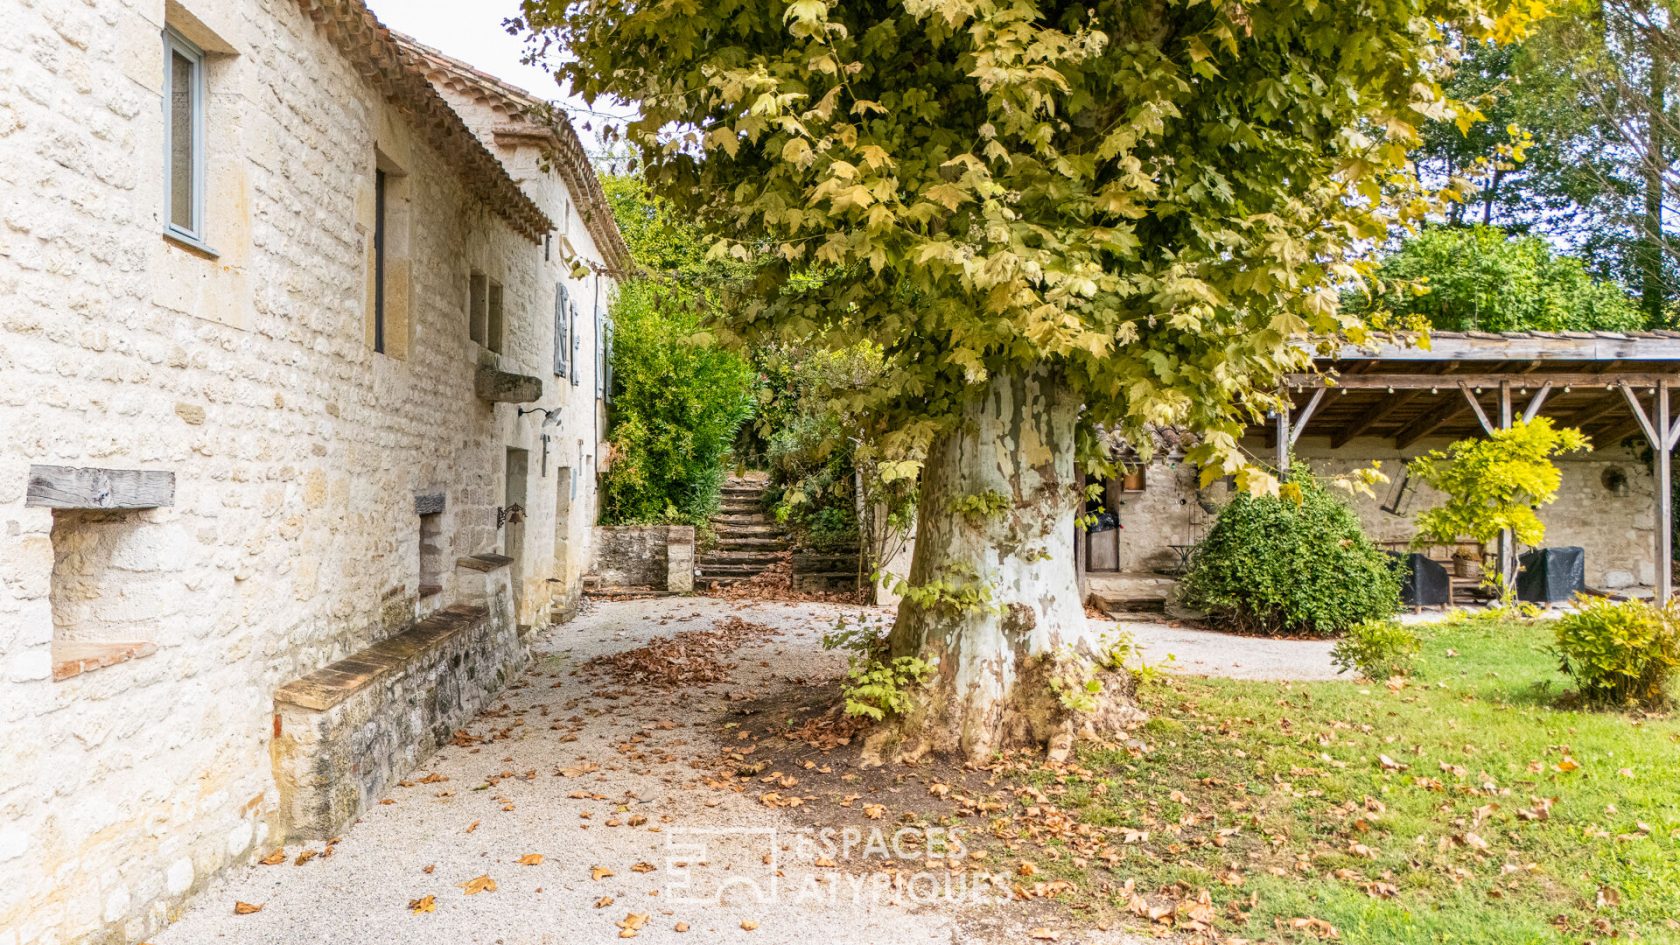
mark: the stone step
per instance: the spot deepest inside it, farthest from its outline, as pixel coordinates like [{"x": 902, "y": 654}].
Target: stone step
[
  {"x": 753, "y": 530},
  {"x": 724, "y": 580},
  {"x": 742, "y": 554},
  {"x": 735, "y": 567},
  {"x": 722, "y": 522},
  {"x": 750, "y": 543},
  {"x": 826, "y": 581},
  {"x": 732, "y": 566}
]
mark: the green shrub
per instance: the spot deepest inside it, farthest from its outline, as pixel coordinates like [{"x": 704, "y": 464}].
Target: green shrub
[
  {"x": 1620, "y": 653},
  {"x": 1377, "y": 649},
  {"x": 678, "y": 400},
  {"x": 1282, "y": 566}
]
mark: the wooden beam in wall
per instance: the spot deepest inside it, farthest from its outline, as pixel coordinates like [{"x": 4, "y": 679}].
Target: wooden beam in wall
[{"x": 72, "y": 487}]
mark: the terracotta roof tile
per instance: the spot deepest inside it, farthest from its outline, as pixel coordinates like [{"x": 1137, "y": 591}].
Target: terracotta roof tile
[{"x": 547, "y": 124}]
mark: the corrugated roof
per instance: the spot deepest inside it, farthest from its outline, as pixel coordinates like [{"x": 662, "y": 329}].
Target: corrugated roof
[
  {"x": 545, "y": 122},
  {"x": 398, "y": 75}
]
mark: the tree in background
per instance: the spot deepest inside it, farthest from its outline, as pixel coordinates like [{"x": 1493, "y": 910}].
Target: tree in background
[
  {"x": 678, "y": 398},
  {"x": 1049, "y": 216},
  {"x": 1587, "y": 97},
  {"x": 1494, "y": 483},
  {"x": 831, "y": 481},
  {"x": 1477, "y": 277}
]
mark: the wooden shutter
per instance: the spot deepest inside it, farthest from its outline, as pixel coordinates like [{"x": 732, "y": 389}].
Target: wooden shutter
[{"x": 562, "y": 344}]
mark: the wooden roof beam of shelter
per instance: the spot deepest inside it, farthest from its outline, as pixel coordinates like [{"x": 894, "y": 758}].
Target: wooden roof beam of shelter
[
  {"x": 1372, "y": 416},
  {"x": 1434, "y": 382},
  {"x": 1427, "y": 423}
]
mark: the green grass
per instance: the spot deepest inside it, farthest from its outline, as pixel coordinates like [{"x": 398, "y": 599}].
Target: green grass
[{"x": 1296, "y": 770}]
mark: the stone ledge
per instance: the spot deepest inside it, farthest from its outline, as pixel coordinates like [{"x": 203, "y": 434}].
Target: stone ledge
[
  {"x": 429, "y": 503},
  {"x": 74, "y": 659},
  {"x": 336, "y": 682},
  {"x": 347, "y": 732},
  {"x": 484, "y": 562},
  {"x": 504, "y": 387}
]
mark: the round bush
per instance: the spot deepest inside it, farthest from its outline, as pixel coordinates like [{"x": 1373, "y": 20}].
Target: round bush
[
  {"x": 1279, "y": 567},
  {"x": 1620, "y": 653}
]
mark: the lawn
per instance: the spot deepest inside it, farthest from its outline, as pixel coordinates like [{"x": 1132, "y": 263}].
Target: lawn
[{"x": 1467, "y": 806}]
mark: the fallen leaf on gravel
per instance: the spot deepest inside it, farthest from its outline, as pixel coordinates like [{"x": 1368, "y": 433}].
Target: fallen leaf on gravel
[
  {"x": 1044, "y": 935},
  {"x": 274, "y": 859},
  {"x": 423, "y": 904},
  {"x": 305, "y": 856},
  {"x": 245, "y": 908},
  {"x": 531, "y": 859},
  {"x": 747, "y": 925},
  {"x": 478, "y": 884},
  {"x": 874, "y": 811},
  {"x": 681, "y": 927},
  {"x": 600, "y": 872},
  {"x": 643, "y": 867},
  {"x": 576, "y": 770},
  {"x": 631, "y": 924},
  {"x": 603, "y": 902},
  {"x": 428, "y": 868},
  {"x": 472, "y": 826}
]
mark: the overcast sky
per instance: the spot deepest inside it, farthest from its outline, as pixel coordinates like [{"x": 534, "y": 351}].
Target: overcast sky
[{"x": 471, "y": 30}]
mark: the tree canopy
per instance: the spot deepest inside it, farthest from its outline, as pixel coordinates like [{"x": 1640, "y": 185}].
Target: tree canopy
[
  {"x": 1149, "y": 200},
  {"x": 1462, "y": 278}
]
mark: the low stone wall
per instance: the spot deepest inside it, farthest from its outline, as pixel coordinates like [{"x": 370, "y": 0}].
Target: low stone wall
[
  {"x": 656, "y": 557},
  {"x": 344, "y": 734}
]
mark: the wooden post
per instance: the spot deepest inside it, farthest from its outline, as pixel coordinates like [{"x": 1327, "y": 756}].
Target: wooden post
[
  {"x": 1665, "y": 497},
  {"x": 1283, "y": 437},
  {"x": 1507, "y": 542}
]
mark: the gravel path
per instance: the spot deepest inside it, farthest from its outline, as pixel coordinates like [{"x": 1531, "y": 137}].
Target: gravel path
[
  {"x": 601, "y": 779},
  {"x": 1206, "y": 653}
]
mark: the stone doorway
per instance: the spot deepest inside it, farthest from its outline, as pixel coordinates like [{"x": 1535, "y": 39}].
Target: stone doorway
[{"x": 513, "y": 514}]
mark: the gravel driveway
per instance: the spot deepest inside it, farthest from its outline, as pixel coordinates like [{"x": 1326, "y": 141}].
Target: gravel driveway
[{"x": 606, "y": 785}]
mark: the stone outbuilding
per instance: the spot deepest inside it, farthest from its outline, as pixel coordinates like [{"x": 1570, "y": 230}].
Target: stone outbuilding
[
  {"x": 304, "y": 345},
  {"x": 1391, "y": 404}
]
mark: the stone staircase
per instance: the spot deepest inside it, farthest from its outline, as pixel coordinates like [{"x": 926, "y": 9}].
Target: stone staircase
[{"x": 749, "y": 542}]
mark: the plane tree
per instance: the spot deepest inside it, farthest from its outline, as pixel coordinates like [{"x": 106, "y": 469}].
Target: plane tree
[{"x": 1053, "y": 217}]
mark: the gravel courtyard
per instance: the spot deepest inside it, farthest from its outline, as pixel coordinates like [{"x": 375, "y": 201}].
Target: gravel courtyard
[{"x": 580, "y": 810}]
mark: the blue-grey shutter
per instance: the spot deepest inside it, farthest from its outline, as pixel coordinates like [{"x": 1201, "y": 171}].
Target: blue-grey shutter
[
  {"x": 577, "y": 372},
  {"x": 562, "y": 344}
]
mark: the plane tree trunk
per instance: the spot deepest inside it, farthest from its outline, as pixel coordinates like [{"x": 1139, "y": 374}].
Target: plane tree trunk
[{"x": 993, "y": 598}]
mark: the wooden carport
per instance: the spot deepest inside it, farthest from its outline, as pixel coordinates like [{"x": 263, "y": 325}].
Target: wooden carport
[{"x": 1612, "y": 386}]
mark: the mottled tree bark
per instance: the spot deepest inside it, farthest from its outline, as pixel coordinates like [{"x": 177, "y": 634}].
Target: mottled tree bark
[{"x": 998, "y": 502}]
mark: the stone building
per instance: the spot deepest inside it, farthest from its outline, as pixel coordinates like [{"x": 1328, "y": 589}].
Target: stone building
[
  {"x": 1394, "y": 403},
  {"x": 303, "y": 342}
]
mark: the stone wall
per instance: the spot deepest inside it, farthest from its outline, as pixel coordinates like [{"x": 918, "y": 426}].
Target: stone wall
[
  {"x": 293, "y": 540},
  {"x": 349, "y": 731},
  {"x": 1614, "y": 526},
  {"x": 658, "y": 557}
]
